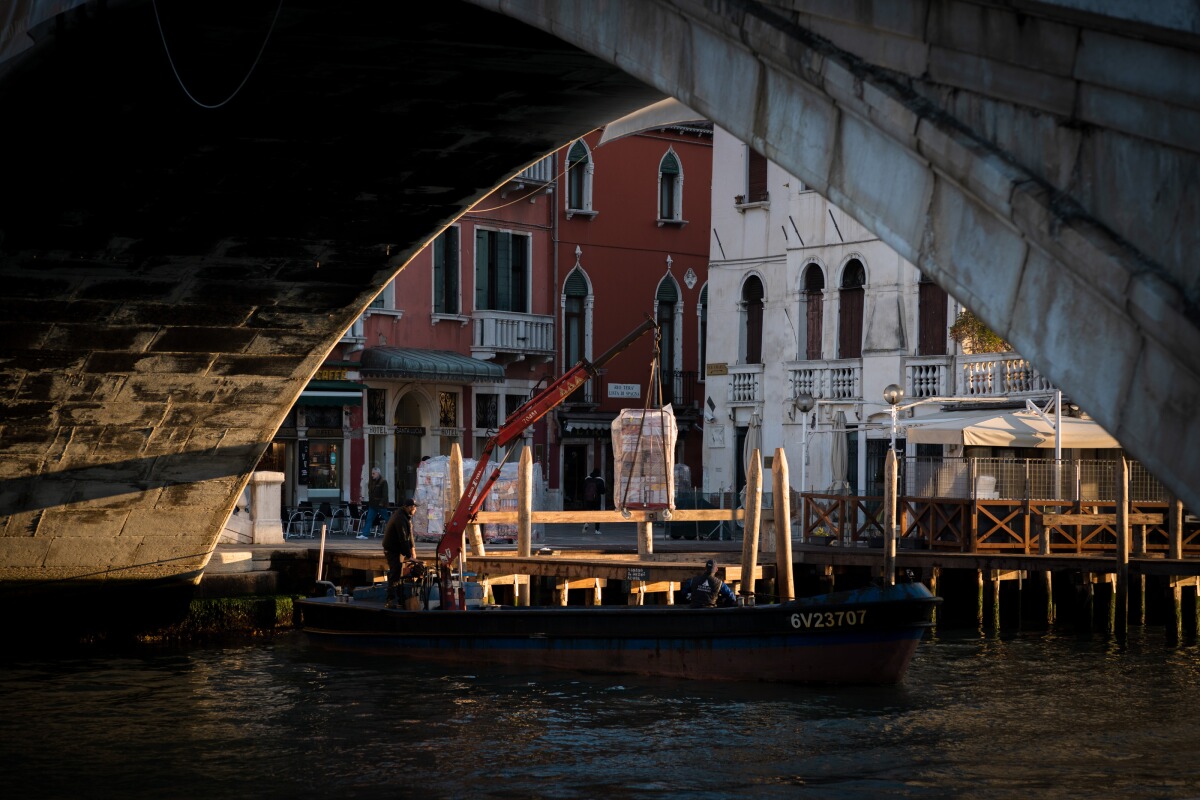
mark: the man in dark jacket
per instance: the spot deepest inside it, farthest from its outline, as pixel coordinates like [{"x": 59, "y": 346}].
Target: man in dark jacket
[
  {"x": 706, "y": 590},
  {"x": 399, "y": 545}
]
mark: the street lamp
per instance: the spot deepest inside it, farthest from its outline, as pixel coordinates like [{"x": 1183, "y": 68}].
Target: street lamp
[{"x": 893, "y": 394}]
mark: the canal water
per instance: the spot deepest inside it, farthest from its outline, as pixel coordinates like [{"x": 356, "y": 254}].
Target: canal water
[{"x": 1031, "y": 715}]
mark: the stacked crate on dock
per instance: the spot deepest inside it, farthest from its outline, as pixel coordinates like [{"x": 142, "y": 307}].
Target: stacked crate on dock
[
  {"x": 433, "y": 496},
  {"x": 644, "y": 456},
  {"x": 504, "y": 497}
]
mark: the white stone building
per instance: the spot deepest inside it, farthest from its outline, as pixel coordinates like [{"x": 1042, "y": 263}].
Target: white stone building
[{"x": 814, "y": 303}]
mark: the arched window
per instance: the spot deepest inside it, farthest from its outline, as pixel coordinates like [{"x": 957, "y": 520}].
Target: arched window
[
  {"x": 576, "y": 323},
  {"x": 752, "y": 310},
  {"x": 579, "y": 178},
  {"x": 670, "y": 188},
  {"x": 813, "y": 301},
  {"x": 931, "y": 325},
  {"x": 850, "y": 310},
  {"x": 666, "y": 304}
]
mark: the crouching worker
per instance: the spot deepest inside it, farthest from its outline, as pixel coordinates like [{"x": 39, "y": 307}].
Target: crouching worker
[
  {"x": 706, "y": 590},
  {"x": 399, "y": 546}
]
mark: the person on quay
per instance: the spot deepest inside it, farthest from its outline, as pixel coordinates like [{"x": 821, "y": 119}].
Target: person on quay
[
  {"x": 593, "y": 497},
  {"x": 377, "y": 503},
  {"x": 706, "y": 590},
  {"x": 399, "y": 545}
]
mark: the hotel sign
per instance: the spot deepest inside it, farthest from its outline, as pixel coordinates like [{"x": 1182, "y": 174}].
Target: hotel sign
[
  {"x": 624, "y": 390},
  {"x": 376, "y": 430},
  {"x": 717, "y": 368},
  {"x": 410, "y": 430}
]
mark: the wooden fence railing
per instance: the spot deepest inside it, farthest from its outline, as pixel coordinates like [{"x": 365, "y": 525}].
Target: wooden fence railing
[{"x": 967, "y": 526}]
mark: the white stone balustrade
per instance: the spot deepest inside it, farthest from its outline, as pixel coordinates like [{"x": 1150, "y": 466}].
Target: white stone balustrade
[
  {"x": 510, "y": 333},
  {"x": 829, "y": 380}
]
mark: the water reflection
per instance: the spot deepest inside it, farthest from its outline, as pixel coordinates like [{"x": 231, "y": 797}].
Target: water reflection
[{"x": 1019, "y": 716}]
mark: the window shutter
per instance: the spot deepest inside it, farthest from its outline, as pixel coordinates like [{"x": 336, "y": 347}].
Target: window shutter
[
  {"x": 756, "y": 177},
  {"x": 482, "y": 276}
]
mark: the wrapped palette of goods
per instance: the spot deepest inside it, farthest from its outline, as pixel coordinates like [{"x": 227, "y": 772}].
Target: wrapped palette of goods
[
  {"x": 503, "y": 497},
  {"x": 644, "y": 456},
  {"x": 433, "y": 496}
]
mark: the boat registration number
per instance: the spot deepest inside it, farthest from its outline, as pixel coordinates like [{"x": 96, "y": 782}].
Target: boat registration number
[{"x": 828, "y": 619}]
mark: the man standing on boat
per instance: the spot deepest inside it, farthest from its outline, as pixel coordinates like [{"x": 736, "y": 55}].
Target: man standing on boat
[
  {"x": 398, "y": 546},
  {"x": 706, "y": 590},
  {"x": 377, "y": 500}
]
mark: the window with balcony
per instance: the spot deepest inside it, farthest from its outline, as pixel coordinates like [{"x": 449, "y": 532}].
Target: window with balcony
[
  {"x": 752, "y": 320},
  {"x": 812, "y": 301},
  {"x": 502, "y": 271},
  {"x": 932, "y": 325},
  {"x": 445, "y": 272},
  {"x": 850, "y": 309},
  {"x": 580, "y": 169},
  {"x": 670, "y": 189}
]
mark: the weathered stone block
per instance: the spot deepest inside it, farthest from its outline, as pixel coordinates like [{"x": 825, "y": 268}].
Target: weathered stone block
[
  {"x": 1139, "y": 68},
  {"x": 1161, "y": 391},
  {"x": 278, "y": 366},
  {"x": 804, "y": 124},
  {"x": 725, "y": 70},
  {"x": 1141, "y": 116},
  {"x": 998, "y": 80},
  {"x": 970, "y": 163},
  {"x": 203, "y": 340},
  {"x": 1005, "y": 35}
]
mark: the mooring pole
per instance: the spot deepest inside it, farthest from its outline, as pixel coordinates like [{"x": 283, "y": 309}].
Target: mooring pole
[
  {"x": 1121, "y": 612},
  {"x": 780, "y": 487},
  {"x": 889, "y": 519},
  {"x": 753, "y": 520}
]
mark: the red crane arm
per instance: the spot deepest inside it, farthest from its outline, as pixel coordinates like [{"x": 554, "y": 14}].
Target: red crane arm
[{"x": 476, "y": 490}]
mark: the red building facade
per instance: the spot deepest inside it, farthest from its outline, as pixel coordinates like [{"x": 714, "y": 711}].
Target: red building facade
[{"x": 557, "y": 264}]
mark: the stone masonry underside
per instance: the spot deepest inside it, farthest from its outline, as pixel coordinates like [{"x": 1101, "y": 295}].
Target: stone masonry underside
[{"x": 172, "y": 275}]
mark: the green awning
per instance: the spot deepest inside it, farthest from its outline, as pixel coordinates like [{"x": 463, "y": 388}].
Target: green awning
[
  {"x": 429, "y": 365},
  {"x": 331, "y": 393}
]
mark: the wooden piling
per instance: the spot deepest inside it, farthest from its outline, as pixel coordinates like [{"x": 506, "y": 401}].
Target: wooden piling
[
  {"x": 753, "y": 521},
  {"x": 1121, "y": 595},
  {"x": 781, "y": 488}
]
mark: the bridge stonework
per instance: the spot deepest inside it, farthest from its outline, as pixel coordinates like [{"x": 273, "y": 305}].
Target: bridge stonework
[
  {"x": 171, "y": 275},
  {"x": 1036, "y": 161}
]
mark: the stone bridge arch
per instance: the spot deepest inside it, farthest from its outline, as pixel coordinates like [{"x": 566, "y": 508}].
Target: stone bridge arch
[{"x": 171, "y": 275}]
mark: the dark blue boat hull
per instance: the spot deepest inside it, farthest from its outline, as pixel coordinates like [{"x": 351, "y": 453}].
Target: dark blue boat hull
[{"x": 864, "y": 636}]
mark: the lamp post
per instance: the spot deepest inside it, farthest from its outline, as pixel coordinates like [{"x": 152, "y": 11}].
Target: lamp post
[
  {"x": 893, "y": 394},
  {"x": 803, "y": 403}
]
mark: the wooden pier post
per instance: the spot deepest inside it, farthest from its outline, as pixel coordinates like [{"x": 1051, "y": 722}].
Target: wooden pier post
[
  {"x": 1175, "y": 590},
  {"x": 525, "y": 516},
  {"x": 1044, "y": 585},
  {"x": 934, "y": 574},
  {"x": 781, "y": 488},
  {"x": 889, "y": 518},
  {"x": 645, "y": 538},
  {"x": 1121, "y": 611},
  {"x": 753, "y": 520},
  {"x": 991, "y": 605}
]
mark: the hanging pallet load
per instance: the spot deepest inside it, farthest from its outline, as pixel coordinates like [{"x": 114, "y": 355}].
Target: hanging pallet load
[
  {"x": 644, "y": 458},
  {"x": 504, "y": 497},
  {"x": 432, "y": 494}
]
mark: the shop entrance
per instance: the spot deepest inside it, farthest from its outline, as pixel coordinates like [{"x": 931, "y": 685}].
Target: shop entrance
[
  {"x": 409, "y": 435},
  {"x": 575, "y": 469}
]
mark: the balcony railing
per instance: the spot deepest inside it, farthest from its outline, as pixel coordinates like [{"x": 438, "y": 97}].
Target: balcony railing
[
  {"x": 745, "y": 384},
  {"x": 998, "y": 374},
  {"x": 680, "y": 388},
  {"x": 928, "y": 376},
  {"x": 535, "y": 179},
  {"x": 508, "y": 336},
  {"x": 828, "y": 380}
]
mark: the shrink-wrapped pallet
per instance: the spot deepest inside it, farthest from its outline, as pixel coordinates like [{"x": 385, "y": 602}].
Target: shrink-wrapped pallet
[
  {"x": 504, "y": 497},
  {"x": 432, "y": 493},
  {"x": 644, "y": 458}
]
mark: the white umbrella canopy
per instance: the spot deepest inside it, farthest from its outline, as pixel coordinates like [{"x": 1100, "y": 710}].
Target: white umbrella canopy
[
  {"x": 1007, "y": 429},
  {"x": 753, "y": 440},
  {"x": 839, "y": 456}
]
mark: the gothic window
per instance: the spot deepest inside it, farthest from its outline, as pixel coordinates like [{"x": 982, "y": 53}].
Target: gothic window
[
  {"x": 850, "y": 310},
  {"x": 665, "y": 300},
  {"x": 579, "y": 177},
  {"x": 813, "y": 299},
  {"x": 752, "y": 316},
  {"x": 932, "y": 324},
  {"x": 670, "y": 188}
]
